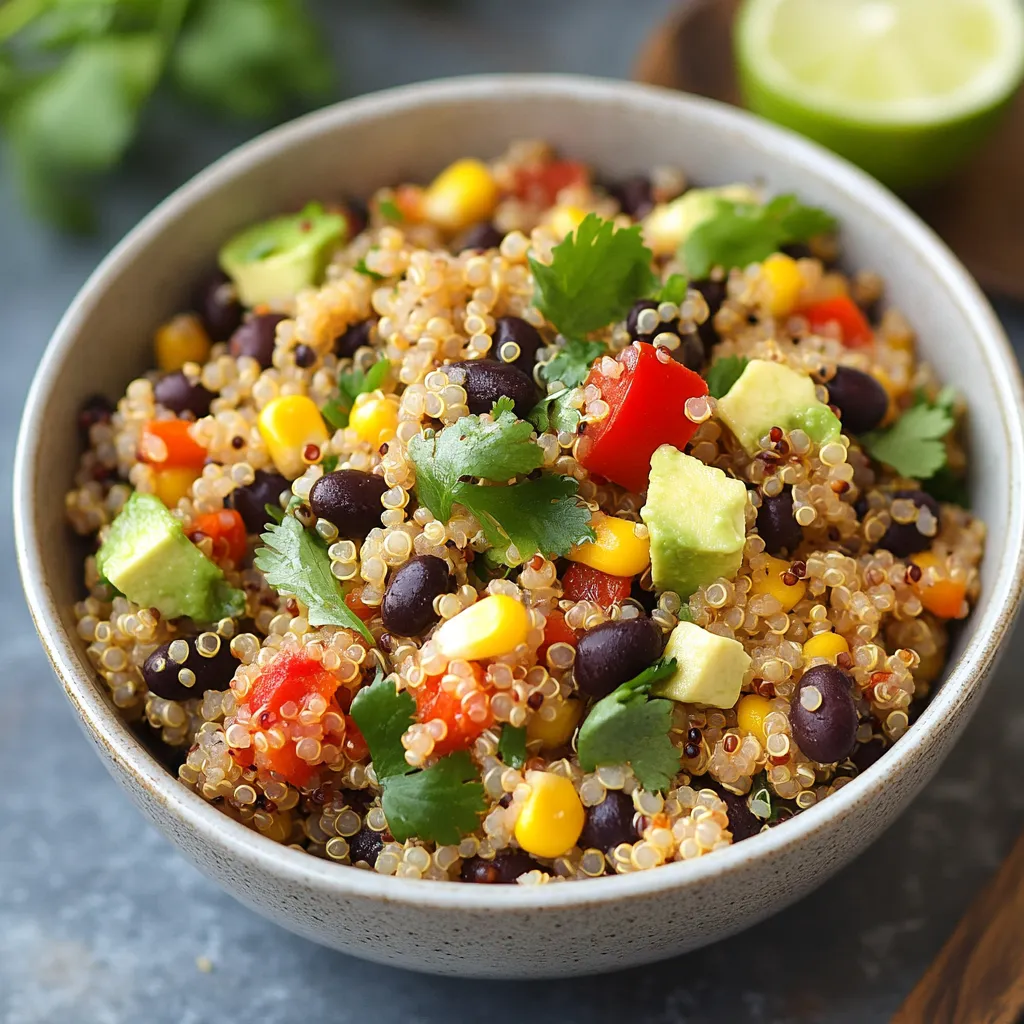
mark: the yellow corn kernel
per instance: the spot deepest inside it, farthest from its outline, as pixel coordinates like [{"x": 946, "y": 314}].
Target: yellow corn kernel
[
  {"x": 826, "y": 645},
  {"x": 894, "y": 391},
  {"x": 566, "y": 219},
  {"x": 494, "y": 626},
  {"x": 557, "y": 731},
  {"x": 174, "y": 484},
  {"x": 552, "y": 816},
  {"x": 785, "y": 282},
  {"x": 772, "y": 584},
  {"x": 751, "y": 712},
  {"x": 179, "y": 341},
  {"x": 287, "y": 424},
  {"x": 374, "y": 417},
  {"x": 617, "y": 551},
  {"x": 462, "y": 194}
]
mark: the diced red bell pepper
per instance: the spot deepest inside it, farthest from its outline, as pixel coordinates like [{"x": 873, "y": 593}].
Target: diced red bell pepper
[
  {"x": 556, "y": 631},
  {"x": 434, "y": 701},
  {"x": 290, "y": 678},
  {"x": 841, "y": 310},
  {"x": 182, "y": 450},
  {"x": 647, "y": 403},
  {"x": 227, "y": 528},
  {"x": 583, "y": 583},
  {"x": 541, "y": 183}
]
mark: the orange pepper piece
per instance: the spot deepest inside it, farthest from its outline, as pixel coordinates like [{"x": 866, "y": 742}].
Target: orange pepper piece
[
  {"x": 173, "y": 438},
  {"x": 227, "y": 529}
]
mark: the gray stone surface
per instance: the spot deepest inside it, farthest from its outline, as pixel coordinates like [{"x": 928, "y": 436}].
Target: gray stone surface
[{"x": 101, "y": 922}]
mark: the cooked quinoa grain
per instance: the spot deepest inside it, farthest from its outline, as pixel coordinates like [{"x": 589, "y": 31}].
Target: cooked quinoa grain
[{"x": 588, "y": 544}]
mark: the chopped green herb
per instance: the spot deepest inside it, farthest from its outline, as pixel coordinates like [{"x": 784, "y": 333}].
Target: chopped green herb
[
  {"x": 626, "y": 727},
  {"x": 723, "y": 373},
  {"x": 554, "y": 413},
  {"x": 274, "y": 513},
  {"x": 389, "y": 210},
  {"x": 948, "y": 487},
  {"x": 914, "y": 445},
  {"x": 362, "y": 268},
  {"x": 295, "y": 561},
  {"x": 383, "y": 716},
  {"x": 595, "y": 275},
  {"x": 572, "y": 362},
  {"x": 512, "y": 746},
  {"x": 673, "y": 290},
  {"x": 741, "y": 233},
  {"x": 352, "y": 384},
  {"x": 329, "y": 463}
]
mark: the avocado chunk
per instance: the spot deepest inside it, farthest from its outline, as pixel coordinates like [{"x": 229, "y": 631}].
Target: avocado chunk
[
  {"x": 668, "y": 225},
  {"x": 695, "y": 515},
  {"x": 272, "y": 261},
  {"x": 770, "y": 395},
  {"x": 150, "y": 560},
  {"x": 710, "y": 669}
]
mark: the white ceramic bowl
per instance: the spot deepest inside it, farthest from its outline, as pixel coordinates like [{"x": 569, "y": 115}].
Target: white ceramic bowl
[{"x": 410, "y": 133}]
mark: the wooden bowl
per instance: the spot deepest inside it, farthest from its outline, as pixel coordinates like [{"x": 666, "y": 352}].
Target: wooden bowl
[{"x": 979, "y": 212}]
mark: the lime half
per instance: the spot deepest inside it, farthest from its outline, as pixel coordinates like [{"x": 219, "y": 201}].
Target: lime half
[{"x": 905, "y": 88}]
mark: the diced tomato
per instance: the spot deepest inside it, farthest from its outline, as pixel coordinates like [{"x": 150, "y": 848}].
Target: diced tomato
[
  {"x": 556, "y": 631},
  {"x": 182, "y": 450},
  {"x": 647, "y": 402},
  {"x": 433, "y": 700},
  {"x": 227, "y": 528},
  {"x": 355, "y": 604},
  {"x": 541, "y": 183},
  {"x": 582, "y": 583},
  {"x": 290, "y": 678},
  {"x": 842, "y": 310}
]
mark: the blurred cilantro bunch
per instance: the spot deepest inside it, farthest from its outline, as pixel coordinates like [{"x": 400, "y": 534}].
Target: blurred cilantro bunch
[{"x": 76, "y": 77}]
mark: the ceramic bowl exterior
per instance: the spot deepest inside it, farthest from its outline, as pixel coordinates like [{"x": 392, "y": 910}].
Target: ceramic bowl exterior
[{"x": 411, "y": 133}]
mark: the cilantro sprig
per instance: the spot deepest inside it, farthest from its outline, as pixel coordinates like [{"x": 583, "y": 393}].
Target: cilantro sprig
[
  {"x": 595, "y": 275},
  {"x": 440, "y": 803},
  {"x": 539, "y": 515},
  {"x": 627, "y": 727},
  {"x": 352, "y": 384},
  {"x": 295, "y": 561},
  {"x": 512, "y": 746},
  {"x": 914, "y": 445},
  {"x": 723, "y": 373},
  {"x": 672, "y": 290},
  {"x": 740, "y": 233},
  {"x": 572, "y": 362}
]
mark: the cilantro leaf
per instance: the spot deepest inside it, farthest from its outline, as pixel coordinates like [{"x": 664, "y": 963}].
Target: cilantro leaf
[
  {"x": 274, "y": 512},
  {"x": 362, "y": 268},
  {"x": 497, "y": 451},
  {"x": 295, "y": 561},
  {"x": 627, "y": 727},
  {"x": 440, "y": 804},
  {"x": 740, "y": 233},
  {"x": 673, "y": 290},
  {"x": 555, "y": 414},
  {"x": 595, "y": 275},
  {"x": 390, "y": 211},
  {"x": 329, "y": 463},
  {"x": 723, "y": 373},
  {"x": 949, "y": 487},
  {"x": 383, "y": 715},
  {"x": 512, "y": 746},
  {"x": 572, "y": 362},
  {"x": 539, "y": 515},
  {"x": 351, "y": 384},
  {"x": 913, "y": 445}
]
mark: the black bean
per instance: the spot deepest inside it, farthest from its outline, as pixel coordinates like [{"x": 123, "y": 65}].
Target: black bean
[
  {"x": 350, "y": 499},
  {"x": 255, "y": 338},
  {"x": 714, "y": 293},
  {"x": 481, "y": 236},
  {"x": 778, "y": 529},
  {"x": 743, "y": 823},
  {"x": 515, "y": 338},
  {"x": 690, "y": 352},
  {"x": 797, "y": 250},
  {"x": 905, "y": 539},
  {"x": 862, "y": 402},
  {"x": 632, "y": 320},
  {"x": 408, "y": 605},
  {"x": 504, "y": 869},
  {"x": 647, "y": 599},
  {"x": 218, "y": 306},
  {"x": 162, "y": 673},
  {"x": 614, "y": 652},
  {"x": 868, "y": 753},
  {"x": 609, "y": 823},
  {"x": 826, "y": 730},
  {"x": 358, "y": 336},
  {"x": 357, "y": 216},
  {"x": 251, "y": 500},
  {"x": 366, "y": 845},
  {"x": 95, "y": 409},
  {"x": 179, "y": 393},
  {"x": 486, "y": 381},
  {"x": 305, "y": 356},
  {"x": 634, "y": 195}
]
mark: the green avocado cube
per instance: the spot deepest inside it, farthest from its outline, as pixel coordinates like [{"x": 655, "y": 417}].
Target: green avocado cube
[
  {"x": 710, "y": 669},
  {"x": 272, "y": 261},
  {"x": 695, "y": 516},
  {"x": 150, "y": 560},
  {"x": 770, "y": 395},
  {"x": 670, "y": 224}
]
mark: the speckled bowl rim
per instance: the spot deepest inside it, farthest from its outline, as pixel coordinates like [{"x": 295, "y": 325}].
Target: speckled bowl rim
[{"x": 989, "y": 624}]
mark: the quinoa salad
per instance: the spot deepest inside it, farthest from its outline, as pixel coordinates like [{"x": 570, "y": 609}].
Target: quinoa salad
[{"x": 526, "y": 525}]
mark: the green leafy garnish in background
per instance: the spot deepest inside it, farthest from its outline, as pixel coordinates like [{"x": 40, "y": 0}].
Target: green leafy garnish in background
[
  {"x": 76, "y": 77},
  {"x": 723, "y": 373},
  {"x": 740, "y": 233},
  {"x": 914, "y": 445},
  {"x": 673, "y": 290}
]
